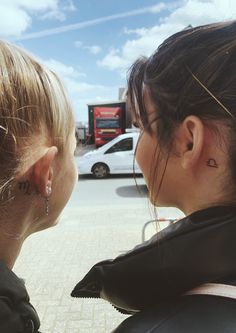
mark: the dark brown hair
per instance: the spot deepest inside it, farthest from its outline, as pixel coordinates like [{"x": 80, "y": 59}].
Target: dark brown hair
[{"x": 192, "y": 72}]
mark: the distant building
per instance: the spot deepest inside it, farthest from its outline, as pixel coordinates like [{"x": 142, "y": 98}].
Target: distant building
[
  {"x": 81, "y": 129},
  {"x": 122, "y": 94}
]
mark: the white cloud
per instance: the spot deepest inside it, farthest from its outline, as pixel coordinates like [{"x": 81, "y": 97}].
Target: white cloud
[
  {"x": 54, "y": 14},
  {"x": 59, "y": 13},
  {"x": 15, "y": 15},
  {"x": 81, "y": 92},
  {"x": 194, "y": 12},
  {"x": 62, "y": 69},
  {"x": 158, "y": 8},
  {"x": 69, "y": 6},
  {"x": 94, "y": 49},
  {"x": 78, "y": 44},
  {"x": 10, "y": 14},
  {"x": 99, "y": 20},
  {"x": 114, "y": 61},
  {"x": 32, "y": 4}
]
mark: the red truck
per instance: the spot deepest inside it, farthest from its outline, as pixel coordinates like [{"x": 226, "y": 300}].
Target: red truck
[
  {"x": 106, "y": 121},
  {"x": 107, "y": 124}
]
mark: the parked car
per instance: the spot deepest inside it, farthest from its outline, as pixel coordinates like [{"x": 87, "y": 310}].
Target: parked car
[{"x": 115, "y": 157}]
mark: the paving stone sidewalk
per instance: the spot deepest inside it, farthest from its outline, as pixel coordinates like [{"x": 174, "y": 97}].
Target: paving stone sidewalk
[{"x": 53, "y": 261}]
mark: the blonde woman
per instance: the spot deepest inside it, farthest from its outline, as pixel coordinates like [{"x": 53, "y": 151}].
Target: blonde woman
[
  {"x": 37, "y": 145},
  {"x": 183, "y": 99}
]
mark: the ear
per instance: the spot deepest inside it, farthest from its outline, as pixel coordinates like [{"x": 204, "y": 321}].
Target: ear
[
  {"x": 42, "y": 172},
  {"x": 191, "y": 141}
]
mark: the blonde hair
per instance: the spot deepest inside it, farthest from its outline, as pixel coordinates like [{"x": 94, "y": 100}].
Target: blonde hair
[{"x": 33, "y": 102}]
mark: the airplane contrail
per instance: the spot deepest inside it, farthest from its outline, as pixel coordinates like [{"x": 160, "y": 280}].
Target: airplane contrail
[{"x": 88, "y": 23}]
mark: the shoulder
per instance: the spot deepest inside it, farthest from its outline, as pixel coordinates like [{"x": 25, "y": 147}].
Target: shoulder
[
  {"x": 16, "y": 313},
  {"x": 16, "y": 318},
  {"x": 205, "y": 314}
]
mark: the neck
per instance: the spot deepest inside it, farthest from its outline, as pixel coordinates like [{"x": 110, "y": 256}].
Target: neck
[
  {"x": 16, "y": 227},
  {"x": 10, "y": 247},
  {"x": 208, "y": 196},
  {"x": 12, "y": 235}
]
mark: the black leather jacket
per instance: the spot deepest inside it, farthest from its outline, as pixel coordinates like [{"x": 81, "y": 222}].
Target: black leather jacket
[
  {"x": 149, "y": 281},
  {"x": 17, "y": 315}
]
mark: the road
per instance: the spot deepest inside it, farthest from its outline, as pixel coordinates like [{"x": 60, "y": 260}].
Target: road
[{"x": 114, "y": 190}]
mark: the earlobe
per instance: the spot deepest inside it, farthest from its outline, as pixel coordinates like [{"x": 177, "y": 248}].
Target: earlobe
[
  {"x": 193, "y": 133},
  {"x": 42, "y": 172}
]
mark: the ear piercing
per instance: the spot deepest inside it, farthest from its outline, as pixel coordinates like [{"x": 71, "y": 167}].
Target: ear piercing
[
  {"x": 48, "y": 190},
  {"x": 47, "y": 206},
  {"x": 190, "y": 146}
]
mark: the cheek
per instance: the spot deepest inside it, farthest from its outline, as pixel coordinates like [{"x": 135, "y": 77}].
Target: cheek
[
  {"x": 73, "y": 175},
  {"x": 140, "y": 158},
  {"x": 152, "y": 164},
  {"x": 67, "y": 180},
  {"x": 145, "y": 154}
]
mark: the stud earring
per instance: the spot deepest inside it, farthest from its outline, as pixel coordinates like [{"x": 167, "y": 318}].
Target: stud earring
[{"x": 48, "y": 190}]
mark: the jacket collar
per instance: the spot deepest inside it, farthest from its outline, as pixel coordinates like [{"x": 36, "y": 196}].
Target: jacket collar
[
  {"x": 11, "y": 286},
  {"x": 13, "y": 292},
  {"x": 198, "y": 249}
]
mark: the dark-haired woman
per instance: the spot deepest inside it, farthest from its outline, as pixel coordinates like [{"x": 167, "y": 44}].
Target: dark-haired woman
[{"x": 184, "y": 279}]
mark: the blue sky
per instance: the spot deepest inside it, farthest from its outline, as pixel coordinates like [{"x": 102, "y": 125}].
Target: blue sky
[{"x": 92, "y": 43}]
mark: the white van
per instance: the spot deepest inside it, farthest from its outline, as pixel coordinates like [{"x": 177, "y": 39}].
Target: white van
[{"x": 117, "y": 156}]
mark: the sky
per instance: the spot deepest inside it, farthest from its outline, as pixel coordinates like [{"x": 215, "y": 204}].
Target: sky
[{"x": 91, "y": 44}]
